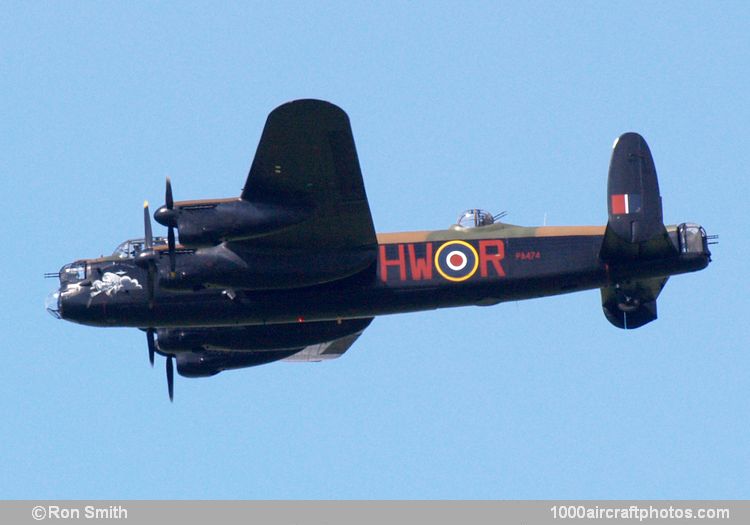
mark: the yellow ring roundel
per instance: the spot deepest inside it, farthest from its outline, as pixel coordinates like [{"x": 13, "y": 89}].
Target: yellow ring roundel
[{"x": 456, "y": 261}]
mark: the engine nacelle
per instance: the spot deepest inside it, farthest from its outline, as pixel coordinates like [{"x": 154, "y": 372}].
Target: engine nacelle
[
  {"x": 257, "y": 338},
  {"x": 207, "y": 223},
  {"x": 209, "y": 363}
]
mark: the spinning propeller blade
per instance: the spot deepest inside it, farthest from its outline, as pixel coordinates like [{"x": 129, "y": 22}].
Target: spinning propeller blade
[
  {"x": 168, "y": 199},
  {"x": 149, "y": 260},
  {"x": 169, "y": 202},
  {"x": 147, "y": 226},
  {"x": 151, "y": 345},
  {"x": 148, "y": 254},
  {"x": 170, "y": 377}
]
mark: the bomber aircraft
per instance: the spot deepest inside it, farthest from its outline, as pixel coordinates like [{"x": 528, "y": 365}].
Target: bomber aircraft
[{"x": 293, "y": 270}]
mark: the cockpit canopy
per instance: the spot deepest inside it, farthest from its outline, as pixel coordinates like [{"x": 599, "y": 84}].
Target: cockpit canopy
[
  {"x": 130, "y": 248},
  {"x": 475, "y": 218}
]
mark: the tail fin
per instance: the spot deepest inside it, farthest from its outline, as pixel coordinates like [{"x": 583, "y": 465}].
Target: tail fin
[
  {"x": 632, "y": 304},
  {"x": 635, "y": 232},
  {"x": 635, "y": 229}
]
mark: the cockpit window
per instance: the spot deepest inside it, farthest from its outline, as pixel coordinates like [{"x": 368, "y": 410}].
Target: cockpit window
[
  {"x": 475, "y": 218},
  {"x": 130, "y": 248}
]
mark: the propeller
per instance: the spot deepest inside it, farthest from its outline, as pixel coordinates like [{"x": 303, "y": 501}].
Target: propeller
[
  {"x": 171, "y": 222},
  {"x": 167, "y": 216},
  {"x": 147, "y": 257},
  {"x": 149, "y": 237},
  {"x": 152, "y": 350},
  {"x": 170, "y": 377},
  {"x": 151, "y": 345}
]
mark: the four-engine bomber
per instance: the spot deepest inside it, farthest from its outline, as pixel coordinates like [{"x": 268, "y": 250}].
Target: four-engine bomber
[{"x": 292, "y": 269}]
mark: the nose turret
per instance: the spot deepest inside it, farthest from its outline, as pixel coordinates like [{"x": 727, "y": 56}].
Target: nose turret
[
  {"x": 100, "y": 292},
  {"x": 52, "y": 304}
]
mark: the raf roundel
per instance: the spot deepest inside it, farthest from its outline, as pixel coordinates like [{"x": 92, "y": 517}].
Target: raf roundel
[{"x": 456, "y": 260}]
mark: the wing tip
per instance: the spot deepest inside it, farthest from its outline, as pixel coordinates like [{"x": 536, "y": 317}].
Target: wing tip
[{"x": 302, "y": 106}]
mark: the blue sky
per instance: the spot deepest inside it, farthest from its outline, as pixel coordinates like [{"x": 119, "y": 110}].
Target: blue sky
[{"x": 501, "y": 105}]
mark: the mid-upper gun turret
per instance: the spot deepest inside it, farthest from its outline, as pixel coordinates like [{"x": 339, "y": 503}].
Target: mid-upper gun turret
[{"x": 476, "y": 218}]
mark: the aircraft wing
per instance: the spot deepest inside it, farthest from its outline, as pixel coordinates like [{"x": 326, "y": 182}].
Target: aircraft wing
[
  {"x": 324, "y": 351},
  {"x": 306, "y": 156},
  {"x": 202, "y": 362}
]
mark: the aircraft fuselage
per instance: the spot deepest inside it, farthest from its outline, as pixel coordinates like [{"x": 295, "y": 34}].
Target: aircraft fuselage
[{"x": 414, "y": 271}]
